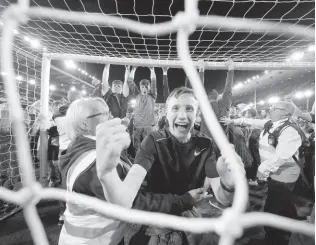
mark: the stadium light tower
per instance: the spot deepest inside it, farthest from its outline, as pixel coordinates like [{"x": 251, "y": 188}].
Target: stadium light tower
[
  {"x": 261, "y": 102},
  {"x": 311, "y": 48},
  {"x": 70, "y": 64},
  {"x": 35, "y": 43},
  {"x": 273, "y": 99},
  {"x": 133, "y": 102},
  {"x": 52, "y": 87},
  {"x": 299, "y": 95},
  {"x": 297, "y": 56},
  {"x": 19, "y": 78},
  {"x": 308, "y": 93},
  {"x": 32, "y": 81}
]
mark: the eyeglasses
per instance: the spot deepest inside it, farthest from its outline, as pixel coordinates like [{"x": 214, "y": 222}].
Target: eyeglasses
[
  {"x": 275, "y": 108},
  {"x": 105, "y": 113}
]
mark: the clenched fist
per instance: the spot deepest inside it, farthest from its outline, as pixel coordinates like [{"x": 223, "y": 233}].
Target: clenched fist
[
  {"x": 224, "y": 170},
  {"x": 111, "y": 139}
]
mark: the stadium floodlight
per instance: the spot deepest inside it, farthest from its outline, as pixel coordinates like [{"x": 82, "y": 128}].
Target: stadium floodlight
[
  {"x": 266, "y": 72},
  {"x": 257, "y": 76},
  {"x": 70, "y": 64},
  {"x": 27, "y": 39},
  {"x": 273, "y": 99},
  {"x": 32, "y": 81},
  {"x": 254, "y": 77},
  {"x": 248, "y": 80},
  {"x": 19, "y": 78},
  {"x": 72, "y": 88},
  {"x": 308, "y": 93},
  {"x": 311, "y": 48},
  {"x": 261, "y": 102},
  {"x": 296, "y": 56},
  {"x": 238, "y": 86},
  {"x": 83, "y": 92},
  {"x": 299, "y": 95},
  {"x": 52, "y": 87},
  {"x": 35, "y": 43}
]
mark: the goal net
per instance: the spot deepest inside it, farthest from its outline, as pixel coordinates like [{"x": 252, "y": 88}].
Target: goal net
[
  {"x": 28, "y": 83},
  {"x": 215, "y": 44},
  {"x": 257, "y": 35}
]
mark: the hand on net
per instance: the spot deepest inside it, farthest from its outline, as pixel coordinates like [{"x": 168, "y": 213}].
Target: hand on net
[
  {"x": 132, "y": 74},
  {"x": 201, "y": 66},
  {"x": 111, "y": 139},
  {"x": 225, "y": 120},
  {"x": 107, "y": 66},
  {"x": 127, "y": 71},
  {"x": 224, "y": 169},
  {"x": 230, "y": 64}
]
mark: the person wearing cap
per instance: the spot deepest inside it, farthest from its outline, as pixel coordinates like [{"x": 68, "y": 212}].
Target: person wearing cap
[
  {"x": 144, "y": 113},
  {"x": 278, "y": 165},
  {"x": 116, "y": 96}
]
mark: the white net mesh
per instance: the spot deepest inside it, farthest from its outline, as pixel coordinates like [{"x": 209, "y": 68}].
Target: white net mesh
[
  {"x": 208, "y": 44},
  {"x": 28, "y": 80},
  {"x": 102, "y": 35}
]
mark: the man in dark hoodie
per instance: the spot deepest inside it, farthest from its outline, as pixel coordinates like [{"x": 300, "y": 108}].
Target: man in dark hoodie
[{"x": 78, "y": 164}]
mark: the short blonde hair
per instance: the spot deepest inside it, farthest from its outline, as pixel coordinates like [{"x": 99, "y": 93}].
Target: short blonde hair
[{"x": 78, "y": 111}]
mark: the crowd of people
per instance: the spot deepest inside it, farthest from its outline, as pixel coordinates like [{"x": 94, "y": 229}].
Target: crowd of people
[{"x": 166, "y": 161}]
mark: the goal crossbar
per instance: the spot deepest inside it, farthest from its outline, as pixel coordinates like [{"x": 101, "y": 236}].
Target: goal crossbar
[{"x": 179, "y": 64}]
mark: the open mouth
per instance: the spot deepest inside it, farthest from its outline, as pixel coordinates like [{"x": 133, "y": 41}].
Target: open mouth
[{"x": 181, "y": 125}]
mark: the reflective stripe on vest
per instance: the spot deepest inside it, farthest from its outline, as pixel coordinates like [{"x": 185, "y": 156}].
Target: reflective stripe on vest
[{"x": 83, "y": 223}]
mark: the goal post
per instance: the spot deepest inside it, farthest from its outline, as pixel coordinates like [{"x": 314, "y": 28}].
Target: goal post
[{"x": 45, "y": 76}]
